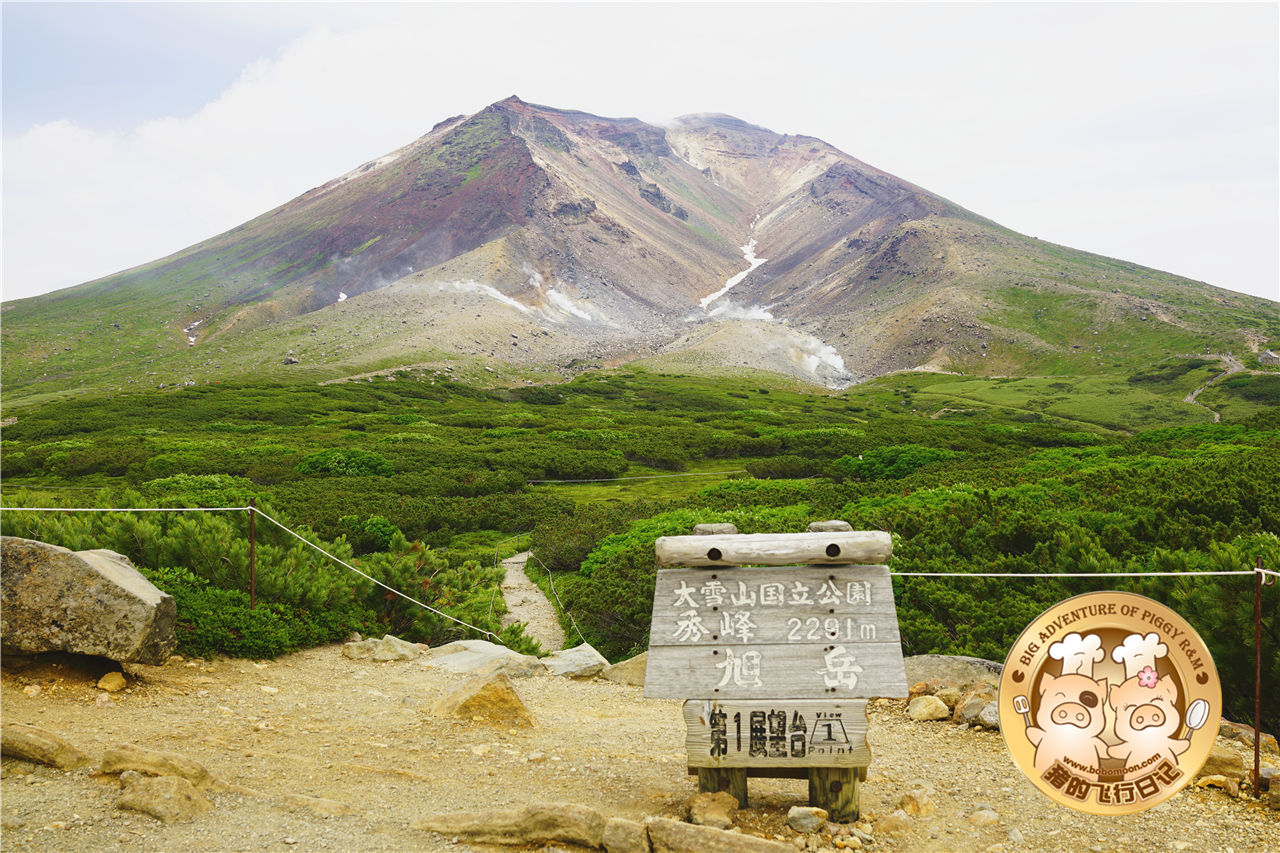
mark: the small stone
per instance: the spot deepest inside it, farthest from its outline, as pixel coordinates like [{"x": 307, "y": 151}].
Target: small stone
[
  {"x": 112, "y": 682},
  {"x": 917, "y": 803},
  {"x": 989, "y": 718},
  {"x": 897, "y": 821},
  {"x": 1231, "y": 786},
  {"x": 716, "y": 809},
  {"x": 1015, "y": 837},
  {"x": 806, "y": 819},
  {"x": 32, "y": 690},
  {"x": 267, "y": 688},
  {"x": 923, "y": 708},
  {"x": 169, "y": 799},
  {"x": 949, "y": 696},
  {"x": 1223, "y": 761},
  {"x": 103, "y": 700},
  {"x": 983, "y": 817}
]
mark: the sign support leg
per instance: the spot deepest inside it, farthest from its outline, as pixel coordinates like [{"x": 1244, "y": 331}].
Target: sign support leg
[
  {"x": 733, "y": 780},
  {"x": 836, "y": 790}
]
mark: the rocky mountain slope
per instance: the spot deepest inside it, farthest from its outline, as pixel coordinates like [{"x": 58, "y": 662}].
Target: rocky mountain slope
[{"x": 550, "y": 239}]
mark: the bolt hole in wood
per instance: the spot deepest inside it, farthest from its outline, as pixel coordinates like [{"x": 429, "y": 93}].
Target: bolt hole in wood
[
  {"x": 833, "y": 550},
  {"x": 713, "y": 554}
]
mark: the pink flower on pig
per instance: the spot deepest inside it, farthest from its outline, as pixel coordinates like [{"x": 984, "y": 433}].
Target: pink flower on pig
[{"x": 1147, "y": 677}]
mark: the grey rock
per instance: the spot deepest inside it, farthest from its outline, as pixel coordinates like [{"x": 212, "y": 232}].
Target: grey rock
[
  {"x": 715, "y": 529},
  {"x": 86, "y": 602},
  {"x": 955, "y": 668},
  {"x": 167, "y": 798},
  {"x": 806, "y": 819},
  {"x": 579, "y": 662},
  {"x": 40, "y": 746},
  {"x": 516, "y": 666},
  {"x": 834, "y": 526},
  {"x": 989, "y": 717},
  {"x": 469, "y": 656},
  {"x": 673, "y": 836},
  {"x": 1015, "y": 837},
  {"x": 537, "y": 823},
  {"x": 625, "y": 836},
  {"x": 394, "y": 648}
]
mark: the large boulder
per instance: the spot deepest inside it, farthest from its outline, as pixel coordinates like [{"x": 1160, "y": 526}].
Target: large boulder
[
  {"x": 488, "y": 698},
  {"x": 578, "y": 662},
  {"x": 953, "y": 668},
  {"x": 86, "y": 602},
  {"x": 467, "y": 657}
]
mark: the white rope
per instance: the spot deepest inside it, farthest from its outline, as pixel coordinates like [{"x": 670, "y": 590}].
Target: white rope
[
  {"x": 253, "y": 509},
  {"x": 551, "y": 583},
  {"x": 645, "y": 477},
  {"x": 1064, "y": 574},
  {"x": 347, "y": 565},
  {"x": 123, "y": 509}
]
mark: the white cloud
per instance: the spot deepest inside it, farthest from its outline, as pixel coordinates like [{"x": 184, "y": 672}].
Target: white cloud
[{"x": 1071, "y": 122}]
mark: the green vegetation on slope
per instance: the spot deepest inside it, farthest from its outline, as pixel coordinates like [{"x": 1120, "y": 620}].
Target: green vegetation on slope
[{"x": 419, "y": 483}]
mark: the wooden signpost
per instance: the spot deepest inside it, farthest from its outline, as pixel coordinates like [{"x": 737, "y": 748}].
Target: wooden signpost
[{"x": 777, "y": 663}]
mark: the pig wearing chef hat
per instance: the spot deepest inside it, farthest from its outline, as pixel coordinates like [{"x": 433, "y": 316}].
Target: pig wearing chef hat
[
  {"x": 1071, "y": 713},
  {"x": 1145, "y": 705}
]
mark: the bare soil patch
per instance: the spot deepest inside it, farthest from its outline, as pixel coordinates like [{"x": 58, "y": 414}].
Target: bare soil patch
[{"x": 321, "y": 725}]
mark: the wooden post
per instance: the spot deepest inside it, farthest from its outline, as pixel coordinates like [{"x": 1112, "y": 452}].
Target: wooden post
[
  {"x": 253, "y": 557},
  {"x": 731, "y": 779},
  {"x": 836, "y": 790}
]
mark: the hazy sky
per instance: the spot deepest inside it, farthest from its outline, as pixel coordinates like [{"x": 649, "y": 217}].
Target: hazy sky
[{"x": 1147, "y": 132}]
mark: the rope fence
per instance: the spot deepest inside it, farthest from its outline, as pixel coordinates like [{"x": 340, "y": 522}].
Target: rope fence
[{"x": 253, "y": 510}]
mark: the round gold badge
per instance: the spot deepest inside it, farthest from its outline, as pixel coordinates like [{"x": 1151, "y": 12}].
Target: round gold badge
[{"x": 1109, "y": 702}]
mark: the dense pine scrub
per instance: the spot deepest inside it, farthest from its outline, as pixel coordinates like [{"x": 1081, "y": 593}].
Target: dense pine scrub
[{"x": 424, "y": 484}]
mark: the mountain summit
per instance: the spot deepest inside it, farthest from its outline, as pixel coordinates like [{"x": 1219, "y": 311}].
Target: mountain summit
[{"x": 555, "y": 239}]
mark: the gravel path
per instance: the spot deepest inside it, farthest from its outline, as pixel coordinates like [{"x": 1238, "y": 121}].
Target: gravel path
[
  {"x": 527, "y": 604},
  {"x": 318, "y": 724}
]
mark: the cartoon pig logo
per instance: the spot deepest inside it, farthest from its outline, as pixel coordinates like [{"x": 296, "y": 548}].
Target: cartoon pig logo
[
  {"x": 1068, "y": 723},
  {"x": 1145, "y": 705},
  {"x": 1071, "y": 713}
]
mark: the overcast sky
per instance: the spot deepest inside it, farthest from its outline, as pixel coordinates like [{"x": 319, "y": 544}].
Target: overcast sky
[{"x": 1147, "y": 132}]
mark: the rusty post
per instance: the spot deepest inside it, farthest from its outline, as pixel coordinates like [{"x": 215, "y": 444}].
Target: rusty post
[
  {"x": 253, "y": 557},
  {"x": 1257, "y": 676}
]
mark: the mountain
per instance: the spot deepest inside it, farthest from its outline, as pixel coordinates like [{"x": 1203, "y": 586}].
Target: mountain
[{"x": 540, "y": 241}]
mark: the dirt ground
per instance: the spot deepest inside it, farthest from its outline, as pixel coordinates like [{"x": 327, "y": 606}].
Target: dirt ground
[{"x": 319, "y": 724}]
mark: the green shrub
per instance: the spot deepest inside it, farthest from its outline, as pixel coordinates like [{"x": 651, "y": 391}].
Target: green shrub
[
  {"x": 345, "y": 462},
  {"x": 214, "y": 621}
]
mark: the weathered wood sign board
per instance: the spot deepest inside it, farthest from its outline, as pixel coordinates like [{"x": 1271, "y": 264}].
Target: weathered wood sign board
[
  {"x": 776, "y": 644},
  {"x": 777, "y": 733},
  {"x": 781, "y": 633}
]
